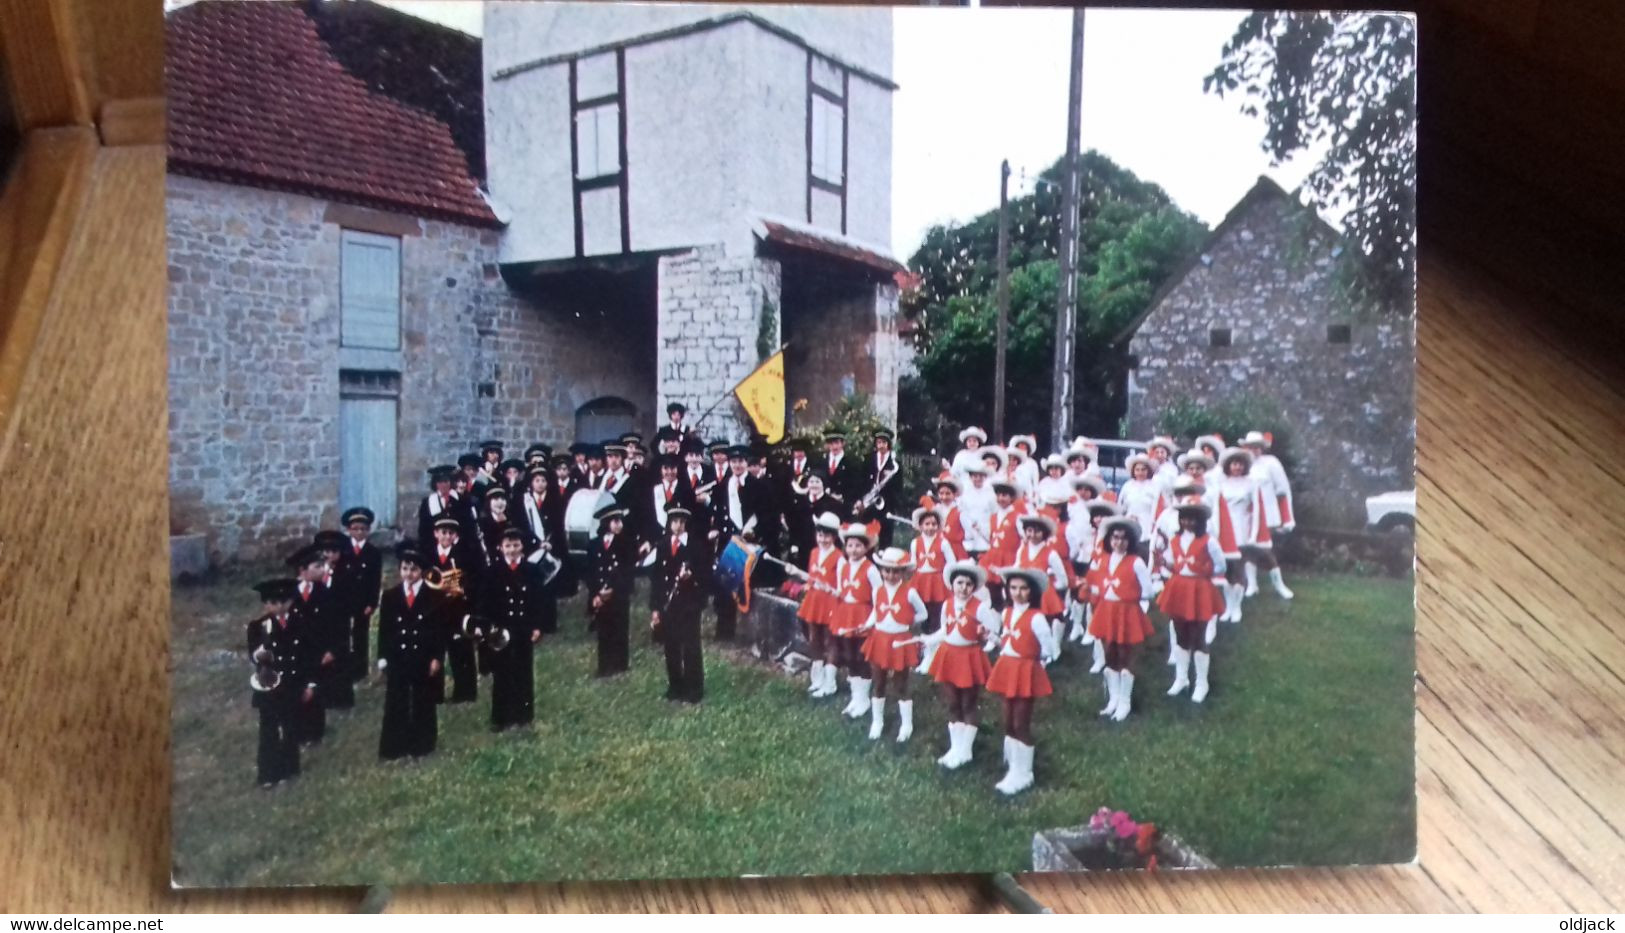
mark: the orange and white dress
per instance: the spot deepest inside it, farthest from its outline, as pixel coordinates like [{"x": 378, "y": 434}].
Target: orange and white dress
[
  {"x": 960, "y": 659},
  {"x": 1118, "y": 616},
  {"x": 1023, "y": 643},
  {"x": 1242, "y": 519},
  {"x": 855, "y": 583},
  {"x": 818, "y": 602},
  {"x": 1193, "y": 562},
  {"x": 1046, "y": 561},
  {"x": 1004, "y": 533},
  {"x": 931, "y": 558},
  {"x": 897, "y": 610},
  {"x": 953, "y": 528}
]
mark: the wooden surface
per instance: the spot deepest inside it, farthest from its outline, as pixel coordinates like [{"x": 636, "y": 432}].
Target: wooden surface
[{"x": 1521, "y": 648}]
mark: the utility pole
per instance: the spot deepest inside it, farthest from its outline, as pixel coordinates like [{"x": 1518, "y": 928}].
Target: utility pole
[
  {"x": 1067, "y": 300},
  {"x": 1004, "y": 301}
]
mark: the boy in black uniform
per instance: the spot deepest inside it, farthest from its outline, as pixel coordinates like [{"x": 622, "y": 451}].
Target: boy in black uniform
[
  {"x": 363, "y": 567},
  {"x": 514, "y": 597},
  {"x": 676, "y": 598},
  {"x": 883, "y": 470},
  {"x": 612, "y": 562},
  {"x": 282, "y": 684},
  {"x": 342, "y": 593},
  {"x": 411, "y": 641},
  {"x": 319, "y": 619},
  {"x": 438, "y": 502},
  {"x": 449, "y": 553}
]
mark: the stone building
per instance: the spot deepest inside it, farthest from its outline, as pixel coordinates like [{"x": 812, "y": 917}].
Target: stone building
[
  {"x": 1256, "y": 315},
  {"x": 338, "y": 319},
  {"x": 726, "y": 168}
]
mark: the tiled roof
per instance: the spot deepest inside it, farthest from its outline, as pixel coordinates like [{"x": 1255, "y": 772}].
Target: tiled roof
[
  {"x": 831, "y": 245},
  {"x": 258, "y": 96}
]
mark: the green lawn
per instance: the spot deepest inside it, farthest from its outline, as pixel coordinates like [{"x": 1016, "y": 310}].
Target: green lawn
[{"x": 1302, "y": 754}]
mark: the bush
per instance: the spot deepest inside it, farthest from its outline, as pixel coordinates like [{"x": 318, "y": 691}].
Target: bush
[
  {"x": 855, "y": 417},
  {"x": 1185, "y": 420}
]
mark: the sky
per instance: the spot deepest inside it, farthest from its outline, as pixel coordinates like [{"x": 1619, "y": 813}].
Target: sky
[{"x": 978, "y": 85}]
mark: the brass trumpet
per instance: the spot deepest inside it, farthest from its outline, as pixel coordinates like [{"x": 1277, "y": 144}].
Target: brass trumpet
[
  {"x": 265, "y": 677},
  {"x": 492, "y": 637},
  {"x": 449, "y": 582}
]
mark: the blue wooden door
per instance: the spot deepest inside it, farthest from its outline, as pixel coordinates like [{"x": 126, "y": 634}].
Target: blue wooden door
[{"x": 367, "y": 466}]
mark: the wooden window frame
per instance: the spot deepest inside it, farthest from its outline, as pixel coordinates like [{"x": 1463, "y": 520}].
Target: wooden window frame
[
  {"x": 843, "y": 100},
  {"x": 617, "y": 179}
]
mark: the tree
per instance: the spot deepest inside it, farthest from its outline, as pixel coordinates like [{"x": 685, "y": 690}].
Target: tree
[
  {"x": 1131, "y": 237},
  {"x": 1344, "y": 83}
]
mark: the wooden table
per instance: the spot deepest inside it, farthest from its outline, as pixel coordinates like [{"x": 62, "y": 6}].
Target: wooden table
[{"x": 1521, "y": 649}]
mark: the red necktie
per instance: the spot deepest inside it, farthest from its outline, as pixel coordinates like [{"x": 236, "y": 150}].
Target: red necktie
[
  {"x": 411, "y": 595},
  {"x": 668, "y": 490},
  {"x": 358, "y": 549},
  {"x": 674, "y": 547},
  {"x": 606, "y": 544},
  {"x": 304, "y": 594},
  {"x": 513, "y": 565}
]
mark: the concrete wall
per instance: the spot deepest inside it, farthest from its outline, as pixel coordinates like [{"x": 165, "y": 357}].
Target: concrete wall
[
  {"x": 709, "y": 315},
  {"x": 716, "y": 125},
  {"x": 254, "y": 366},
  {"x": 1350, "y": 407}
]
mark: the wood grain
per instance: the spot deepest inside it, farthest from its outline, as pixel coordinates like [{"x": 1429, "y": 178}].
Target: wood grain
[
  {"x": 44, "y": 64},
  {"x": 1521, "y": 698}
]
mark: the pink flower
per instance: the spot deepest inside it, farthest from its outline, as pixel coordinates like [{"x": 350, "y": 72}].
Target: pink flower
[
  {"x": 1098, "y": 821},
  {"x": 1127, "y": 829}
]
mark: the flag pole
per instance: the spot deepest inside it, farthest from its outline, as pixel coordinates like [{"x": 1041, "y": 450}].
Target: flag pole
[{"x": 724, "y": 396}]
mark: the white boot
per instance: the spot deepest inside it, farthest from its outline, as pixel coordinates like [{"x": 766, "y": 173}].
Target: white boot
[
  {"x": 1099, "y": 651},
  {"x": 851, "y": 696},
  {"x": 1125, "y": 696},
  {"x": 1182, "y": 660},
  {"x": 1020, "y": 775},
  {"x": 1203, "y": 659},
  {"x": 1012, "y": 770},
  {"x": 1212, "y": 631},
  {"x": 860, "y": 696},
  {"x": 1232, "y": 602},
  {"x": 877, "y": 718},
  {"x": 831, "y": 672},
  {"x": 1080, "y": 632},
  {"x": 1251, "y": 572},
  {"x": 1083, "y": 622},
  {"x": 967, "y": 745},
  {"x": 1058, "y": 628},
  {"x": 953, "y": 745},
  {"x": 905, "y": 715},
  {"x": 1278, "y": 583},
  {"x": 1111, "y": 692},
  {"x": 1173, "y": 644},
  {"x": 925, "y": 659},
  {"x": 815, "y": 678}
]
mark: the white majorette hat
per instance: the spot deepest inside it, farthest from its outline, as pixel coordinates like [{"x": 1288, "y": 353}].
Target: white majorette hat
[
  {"x": 893, "y": 558},
  {"x": 1082, "y": 447},
  {"x": 1235, "y": 453},
  {"x": 1042, "y": 521},
  {"x": 1054, "y": 460},
  {"x": 1055, "y": 495},
  {"x": 994, "y": 451},
  {"x": 975, "y": 432},
  {"x": 1091, "y": 481},
  {"x": 1128, "y": 465},
  {"x": 1037, "y": 579},
  {"x": 1120, "y": 521},
  {"x": 968, "y": 568},
  {"x": 1028, "y": 439},
  {"x": 1256, "y": 439},
  {"x": 1209, "y": 440},
  {"x": 1104, "y": 507},
  {"x": 1187, "y": 486},
  {"x": 1001, "y": 484},
  {"x": 973, "y": 469},
  {"x": 828, "y": 521},
  {"x": 1194, "y": 456},
  {"x": 1166, "y": 443},
  {"x": 949, "y": 481},
  {"x": 1194, "y": 504},
  {"x": 922, "y": 512},
  {"x": 861, "y": 532}
]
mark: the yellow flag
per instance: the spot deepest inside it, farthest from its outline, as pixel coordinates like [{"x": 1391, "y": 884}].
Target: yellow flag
[{"x": 762, "y": 394}]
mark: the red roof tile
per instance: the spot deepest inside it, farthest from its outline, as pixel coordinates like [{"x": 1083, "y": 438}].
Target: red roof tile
[
  {"x": 832, "y": 246},
  {"x": 256, "y": 96}
]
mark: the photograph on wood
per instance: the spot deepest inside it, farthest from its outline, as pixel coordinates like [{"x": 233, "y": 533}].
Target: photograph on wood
[{"x": 617, "y": 441}]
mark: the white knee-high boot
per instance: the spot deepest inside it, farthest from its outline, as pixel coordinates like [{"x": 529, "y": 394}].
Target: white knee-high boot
[
  {"x": 1212, "y": 631},
  {"x": 1016, "y": 777},
  {"x": 1125, "y": 696},
  {"x": 967, "y": 744},
  {"x": 1173, "y": 644},
  {"x": 1279, "y": 584},
  {"x": 925, "y": 658},
  {"x": 1182, "y": 660},
  {"x": 877, "y": 717},
  {"x": 1251, "y": 573},
  {"x": 1203, "y": 659},
  {"x": 905, "y": 719},
  {"x": 830, "y": 685},
  {"x": 953, "y": 745},
  {"x": 860, "y": 697},
  {"x": 1058, "y": 629},
  {"x": 815, "y": 678},
  {"x": 1098, "y": 651},
  {"x": 1110, "y": 677},
  {"x": 1232, "y": 598}
]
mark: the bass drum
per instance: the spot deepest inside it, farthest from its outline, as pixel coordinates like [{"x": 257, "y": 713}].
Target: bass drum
[{"x": 579, "y": 525}]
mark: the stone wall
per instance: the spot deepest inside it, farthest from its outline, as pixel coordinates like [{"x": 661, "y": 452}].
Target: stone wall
[
  {"x": 842, "y": 336},
  {"x": 708, "y": 316},
  {"x": 255, "y": 361},
  {"x": 1349, "y": 408}
]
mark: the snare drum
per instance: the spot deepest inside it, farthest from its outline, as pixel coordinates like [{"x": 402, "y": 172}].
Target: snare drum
[
  {"x": 734, "y": 568},
  {"x": 580, "y": 527}
]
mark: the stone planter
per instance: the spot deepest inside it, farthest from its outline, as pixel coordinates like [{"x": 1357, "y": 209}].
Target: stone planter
[
  {"x": 1080, "y": 848},
  {"x": 188, "y": 556},
  {"x": 770, "y": 626}
]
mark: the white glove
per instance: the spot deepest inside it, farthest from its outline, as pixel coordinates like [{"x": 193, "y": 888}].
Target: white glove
[{"x": 382, "y": 663}]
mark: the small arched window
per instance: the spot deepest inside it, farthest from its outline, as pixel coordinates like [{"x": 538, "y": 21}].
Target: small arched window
[{"x": 605, "y": 418}]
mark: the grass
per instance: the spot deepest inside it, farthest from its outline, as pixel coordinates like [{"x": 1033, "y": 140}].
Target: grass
[{"x": 1302, "y": 754}]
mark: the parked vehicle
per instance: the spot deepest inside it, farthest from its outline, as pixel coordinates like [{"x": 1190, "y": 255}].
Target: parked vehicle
[
  {"x": 1392, "y": 512},
  {"x": 1113, "y": 455}
]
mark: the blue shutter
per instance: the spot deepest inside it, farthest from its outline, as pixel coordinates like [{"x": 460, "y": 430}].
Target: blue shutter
[
  {"x": 370, "y": 290},
  {"x": 367, "y": 464}
]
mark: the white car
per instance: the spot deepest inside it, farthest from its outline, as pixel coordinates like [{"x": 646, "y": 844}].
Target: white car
[{"x": 1391, "y": 511}]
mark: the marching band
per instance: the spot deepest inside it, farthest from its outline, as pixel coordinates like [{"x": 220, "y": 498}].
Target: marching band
[{"x": 1012, "y": 557}]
